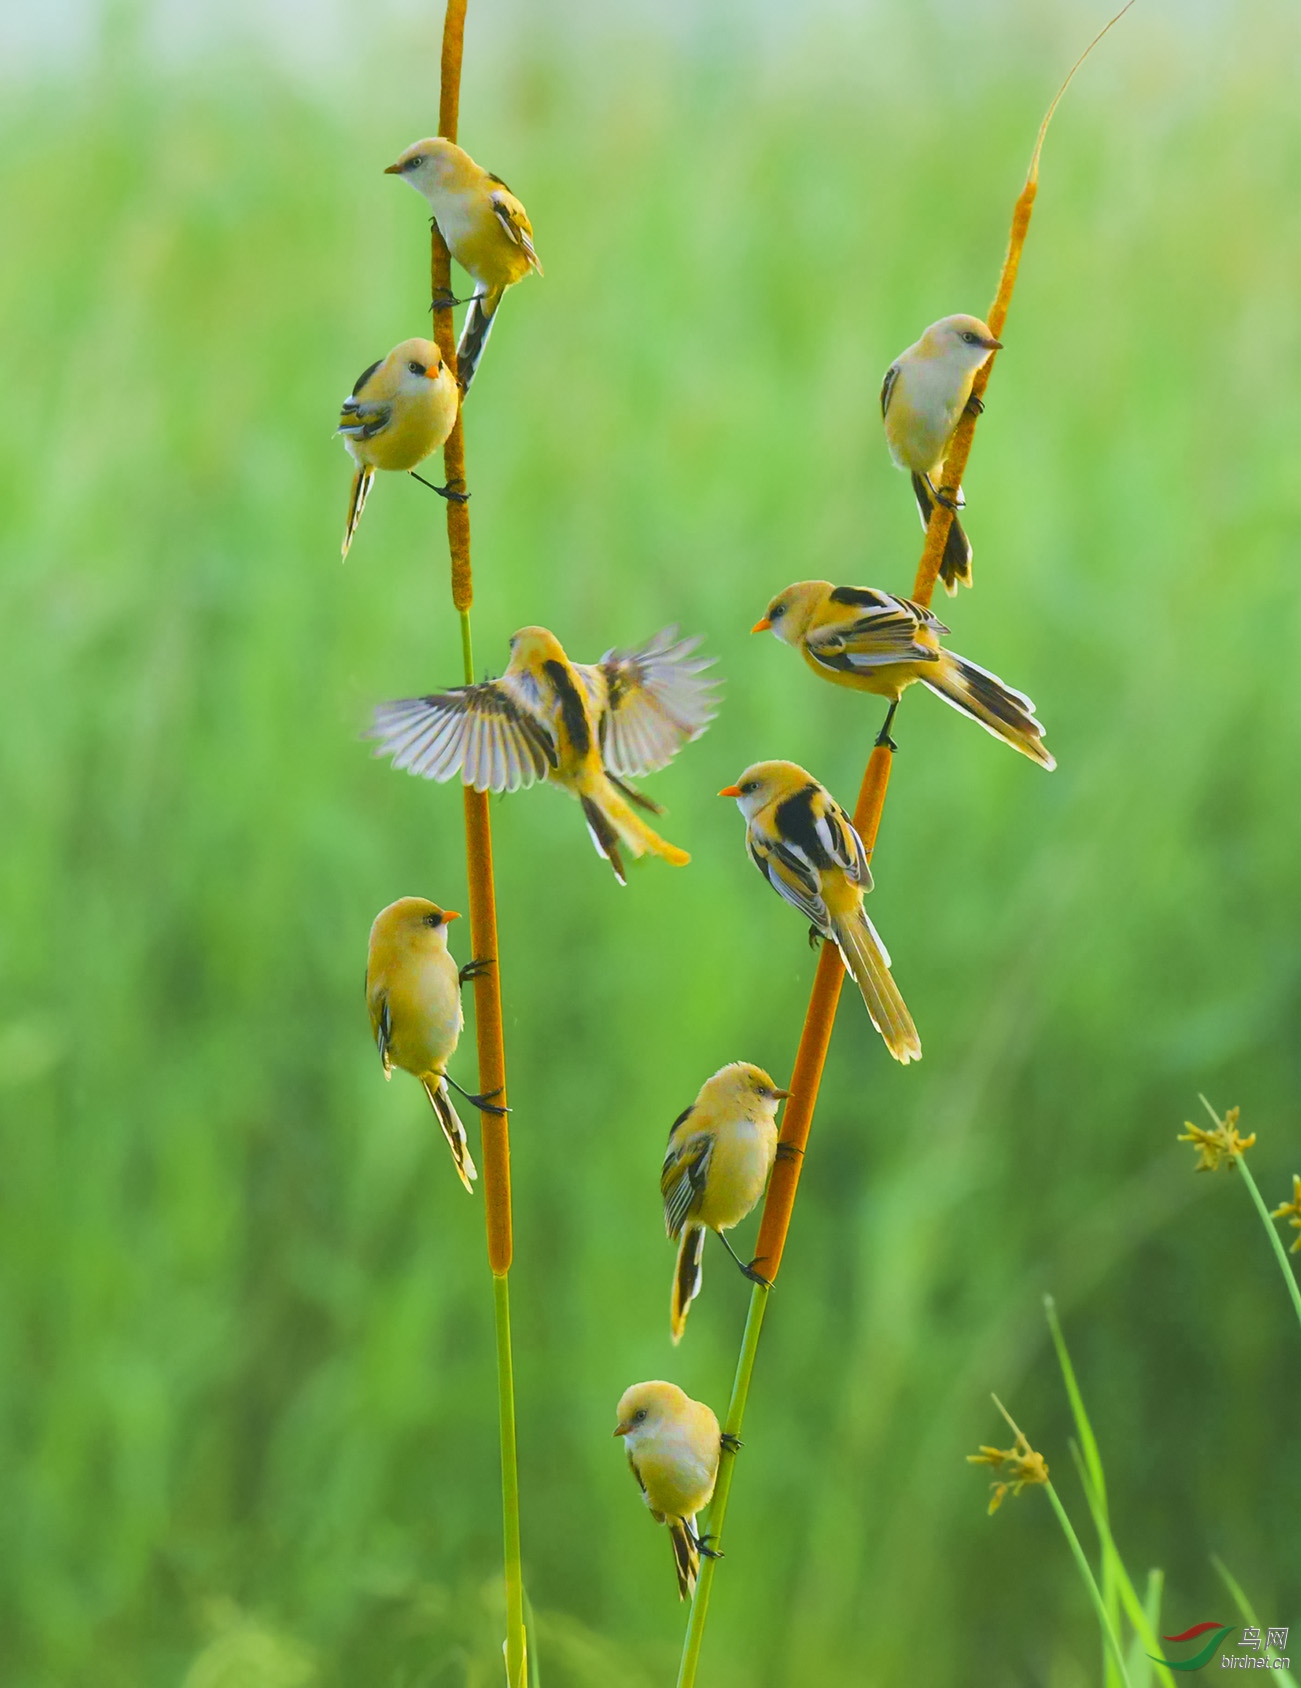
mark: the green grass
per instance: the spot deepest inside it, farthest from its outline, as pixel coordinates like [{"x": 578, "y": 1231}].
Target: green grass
[{"x": 246, "y": 1360}]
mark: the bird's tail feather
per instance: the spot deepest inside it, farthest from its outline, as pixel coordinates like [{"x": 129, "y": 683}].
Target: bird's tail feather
[
  {"x": 955, "y": 565},
  {"x": 474, "y": 336},
  {"x": 604, "y": 837},
  {"x": 868, "y": 963},
  {"x": 362, "y": 482},
  {"x": 440, "y": 1101},
  {"x": 1008, "y": 714},
  {"x": 688, "y": 1275},
  {"x": 612, "y": 822},
  {"x": 686, "y": 1555}
]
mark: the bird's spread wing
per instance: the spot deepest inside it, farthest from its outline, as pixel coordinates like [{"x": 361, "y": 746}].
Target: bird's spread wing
[
  {"x": 883, "y": 631},
  {"x": 790, "y": 876},
  {"x": 887, "y": 386},
  {"x": 686, "y": 1169},
  {"x": 516, "y": 224},
  {"x": 484, "y": 733},
  {"x": 363, "y": 418},
  {"x": 650, "y": 701}
]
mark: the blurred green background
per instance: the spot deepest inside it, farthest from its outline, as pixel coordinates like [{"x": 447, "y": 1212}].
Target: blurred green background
[{"x": 247, "y": 1413}]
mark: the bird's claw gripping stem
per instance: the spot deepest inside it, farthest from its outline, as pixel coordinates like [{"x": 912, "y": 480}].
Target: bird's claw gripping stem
[
  {"x": 733, "y": 1444},
  {"x": 474, "y": 970}
]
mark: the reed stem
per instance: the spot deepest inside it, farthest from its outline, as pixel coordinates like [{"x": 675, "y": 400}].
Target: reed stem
[
  {"x": 1284, "y": 1264},
  {"x": 819, "y": 1018},
  {"x": 489, "y": 1032},
  {"x": 1099, "y": 1604}
]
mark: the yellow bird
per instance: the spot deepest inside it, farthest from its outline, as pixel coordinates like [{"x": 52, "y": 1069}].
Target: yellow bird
[
  {"x": 925, "y": 392},
  {"x": 401, "y": 409},
  {"x": 720, "y": 1153},
  {"x": 585, "y": 728},
  {"x": 805, "y": 846},
  {"x": 486, "y": 228},
  {"x": 673, "y": 1444},
  {"x": 870, "y": 640},
  {"x": 413, "y": 992}
]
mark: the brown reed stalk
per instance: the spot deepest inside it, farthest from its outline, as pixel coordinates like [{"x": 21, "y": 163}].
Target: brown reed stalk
[
  {"x": 819, "y": 1018},
  {"x": 489, "y": 1033}
]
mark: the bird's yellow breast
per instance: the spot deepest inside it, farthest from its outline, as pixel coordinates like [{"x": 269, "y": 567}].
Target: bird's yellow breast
[
  {"x": 419, "y": 982},
  {"x": 679, "y": 1467},
  {"x": 476, "y": 239},
  {"x": 742, "y": 1156},
  {"x": 418, "y": 425}
]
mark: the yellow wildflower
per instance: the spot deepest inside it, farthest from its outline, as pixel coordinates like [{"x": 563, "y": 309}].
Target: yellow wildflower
[
  {"x": 1294, "y": 1209},
  {"x": 1219, "y": 1147},
  {"x": 1020, "y": 1466}
]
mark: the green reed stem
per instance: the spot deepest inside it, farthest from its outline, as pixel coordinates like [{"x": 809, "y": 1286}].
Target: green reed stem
[
  {"x": 726, "y": 1462},
  {"x": 1095, "y": 1595},
  {"x": 467, "y": 649},
  {"x": 1276, "y": 1242},
  {"x": 513, "y": 1562}
]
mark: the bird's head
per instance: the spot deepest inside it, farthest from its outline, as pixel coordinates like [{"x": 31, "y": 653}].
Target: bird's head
[
  {"x": 425, "y": 164},
  {"x": 743, "y": 1086},
  {"x": 764, "y": 783},
  {"x": 530, "y": 647},
  {"x": 964, "y": 340},
  {"x": 416, "y": 364},
  {"x": 791, "y": 611},
  {"x": 647, "y": 1407},
  {"x": 414, "y": 921}
]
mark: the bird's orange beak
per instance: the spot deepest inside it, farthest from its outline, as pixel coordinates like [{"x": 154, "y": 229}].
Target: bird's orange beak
[
  {"x": 762, "y": 625},
  {"x": 992, "y": 345},
  {"x": 730, "y": 791},
  {"x": 622, "y": 1429},
  {"x": 783, "y": 1094},
  {"x": 392, "y": 169},
  {"x": 450, "y": 914}
]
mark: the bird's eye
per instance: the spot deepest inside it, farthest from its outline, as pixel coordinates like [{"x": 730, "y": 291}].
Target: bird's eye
[
  {"x": 415, "y": 163},
  {"x": 776, "y": 612},
  {"x": 970, "y": 338},
  {"x": 433, "y": 920},
  {"x": 416, "y": 368},
  {"x": 748, "y": 787},
  {"x": 639, "y": 1416}
]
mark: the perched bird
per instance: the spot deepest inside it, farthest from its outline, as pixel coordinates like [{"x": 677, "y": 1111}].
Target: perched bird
[
  {"x": 872, "y": 641},
  {"x": 585, "y": 728},
  {"x": 805, "y": 846},
  {"x": 413, "y": 992},
  {"x": 925, "y": 392},
  {"x": 673, "y": 1444},
  {"x": 401, "y": 409},
  {"x": 720, "y": 1153},
  {"x": 486, "y": 228}
]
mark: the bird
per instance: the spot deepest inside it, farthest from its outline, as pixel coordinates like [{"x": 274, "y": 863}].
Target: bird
[
  {"x": 413, "y": 993},
  {"x": 806, "y": 847},
  {"x": 402, "y": 408},
  {"x": 586, "y": 728},
  {"x": 485, "y": 227},
  {"x": 925, "y": 392},
  {"x": 873, "y": 641},
  {"x": 673, "y": 1445},
  {"x": 720, "y": 1153}
]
